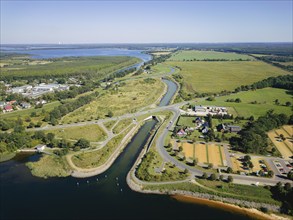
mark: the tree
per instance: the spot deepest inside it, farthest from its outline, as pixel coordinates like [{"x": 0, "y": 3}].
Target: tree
[
  {"x": 82, "y": 143},
  {"x": 230, "y": 179},
  {"x": 50, "y": 137},
  {"x": 210, "y": 165},
  {"x": 229, "y": 170},
  {"x": 204, "y": 176},
  {"x": 185, "y": 171},
  {"x": 251, "y": 165},
  {"x": 288, "y": 104},
  {"x": 277, "y": 102},
  {"x": 270, "y": 173},
  {"x": 247, "y": 158},
  {"x": 238, "y": 100},
  {"x": 213, "y": 177},
  {"x": 290, "y": 175},
  {"x": 110, "y": 114},
  {"x": 221, "y": 177},
  {"x": 169, "y": 145},
  {"x": 287, "y": 187}
]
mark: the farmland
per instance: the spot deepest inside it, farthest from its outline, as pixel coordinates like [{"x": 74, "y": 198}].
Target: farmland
[
  {"x": 192, "y": 55},
  {"x": 204, "y": 154},
  {"x": 92, "y": 133},
  {"x": 96, "y": 67},
  {"x": 210, "y": 77},
  {"x": 263, "y": 99},
  {"x": 285, "y": 147},
  {"x": 123, "y": 99}
]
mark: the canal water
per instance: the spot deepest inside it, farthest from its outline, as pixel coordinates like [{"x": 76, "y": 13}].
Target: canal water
[{"x": 106, "y": 196}]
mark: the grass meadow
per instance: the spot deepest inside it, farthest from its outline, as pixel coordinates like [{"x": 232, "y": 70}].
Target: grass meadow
[
  {"x": 265, "y": 101},
  {"x": 193, "y": 55},
  {"x": 209, "y": 77}
]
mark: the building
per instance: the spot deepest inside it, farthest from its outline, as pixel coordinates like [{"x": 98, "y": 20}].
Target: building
[
  {"x": 181, "y": 133},
  {"x": 233, "y": 128},
  {"x": 21, "y": 89},
  {"x": 25, "y": 105},
  {"x": 40, "y": 147},
  {"x": 8, "y": 108}
]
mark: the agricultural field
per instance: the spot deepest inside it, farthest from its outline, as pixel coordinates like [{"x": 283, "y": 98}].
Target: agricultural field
[
  {"x": 200, "y": 153},
  {"x": 210, "y": 153},
  {"x": 92, "y": 133},
  {"x": 196, "y": 55},
  {"x": 188, "y": 149},
  {"x": 96, "y": 67},
  {"x": 211, "y": 77},
  {"x": 264, "y": 98},
  {"x": 124, "y": 99},
  {"x": 285, "y": 147}
]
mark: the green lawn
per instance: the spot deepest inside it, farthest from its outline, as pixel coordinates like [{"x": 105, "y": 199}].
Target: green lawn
[
  {"x": 209, "y": 77},
  {"x": 265, "y": 98},
  {"x": 211, "y": 55},
  {"x": 186, "y": 121},
  {"x": 93, "y": 133}
]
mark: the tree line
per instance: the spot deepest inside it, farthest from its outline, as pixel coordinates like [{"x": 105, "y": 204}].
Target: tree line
[{"x": 253, "y": 137}]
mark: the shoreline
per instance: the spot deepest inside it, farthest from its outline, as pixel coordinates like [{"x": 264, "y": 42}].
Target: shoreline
[{"x": 188, "y": 197}]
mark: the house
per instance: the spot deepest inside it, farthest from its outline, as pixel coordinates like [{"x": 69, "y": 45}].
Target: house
[
  {"x": 41, "y": 102},
  {"x": 40, "y": 147},
  {"x": 181, "y": 133},
  {"x": 199, "y": 109},
  {"x": 2, "y": 104},
  {"x": 21, "y": 89},
  {"x": 8, "y": 108},
  {"x": 233, "y": 128},
  {"x": 25, "y": 105},
  {"x": 11, "y": 102}
]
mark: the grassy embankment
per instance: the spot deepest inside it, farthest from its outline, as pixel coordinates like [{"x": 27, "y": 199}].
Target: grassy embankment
[
  {"x": 92, "y": 133},
  {"x": 153, "y": 161},
  {"x": 264, "y": 99},
  {"x": 49, "y": 166},
  {"x": 228, "y": 190},
  {"x": 120, "y": 100},
  {"x": 97, "y": 158}
]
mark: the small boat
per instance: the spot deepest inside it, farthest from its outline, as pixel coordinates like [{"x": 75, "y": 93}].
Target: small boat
[
  {"x": 121, "y": 190},
  {"x": 106, "y": 176},
  {"x": 97, "y": 179},
  {"x": 88, "y": 181},
  {"x": 77, "y": 183},
  {"x": 117, "y": 184},
  {"x": 116, "y": 178}
]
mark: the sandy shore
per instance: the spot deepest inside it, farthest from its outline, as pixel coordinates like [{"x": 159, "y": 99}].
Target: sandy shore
[{"x": 252, "y": 213}]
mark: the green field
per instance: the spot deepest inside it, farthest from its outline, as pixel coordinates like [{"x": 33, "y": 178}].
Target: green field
[
  {"x": 265, "y": 101},
  {"x": 125, "y": 99},
  {"x": 49, "y": 166},
  {"x": 192, "y": 55},
  {"x": 209, "y": 77},
  {"x": 122, "y": 125},
  {"x": 93, "y": 133},
  {"x": 96, "y": 67}
]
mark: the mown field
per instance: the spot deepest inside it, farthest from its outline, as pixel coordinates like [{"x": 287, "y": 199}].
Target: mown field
[
  {"x": 70, "y": 66},
  {"x": 265, "y": 99},
  {"x": 93, "y": 133},
  {"x": 192, "y": 55},
  {"x": 125, "y": 99},
  {"x": 209, "y": 77}
]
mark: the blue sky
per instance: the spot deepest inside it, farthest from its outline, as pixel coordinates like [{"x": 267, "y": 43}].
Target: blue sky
[{"x": 145, "y": 21}]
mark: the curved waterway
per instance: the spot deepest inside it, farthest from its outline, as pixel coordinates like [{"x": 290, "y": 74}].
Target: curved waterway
[{"x": 106, "y": 196}]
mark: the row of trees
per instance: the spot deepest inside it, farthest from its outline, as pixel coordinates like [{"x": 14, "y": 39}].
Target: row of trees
[
  {"x": 282, "y": 82},
  {"x": 253, "y": 137},
  {"x": 65, "y": 108}
]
